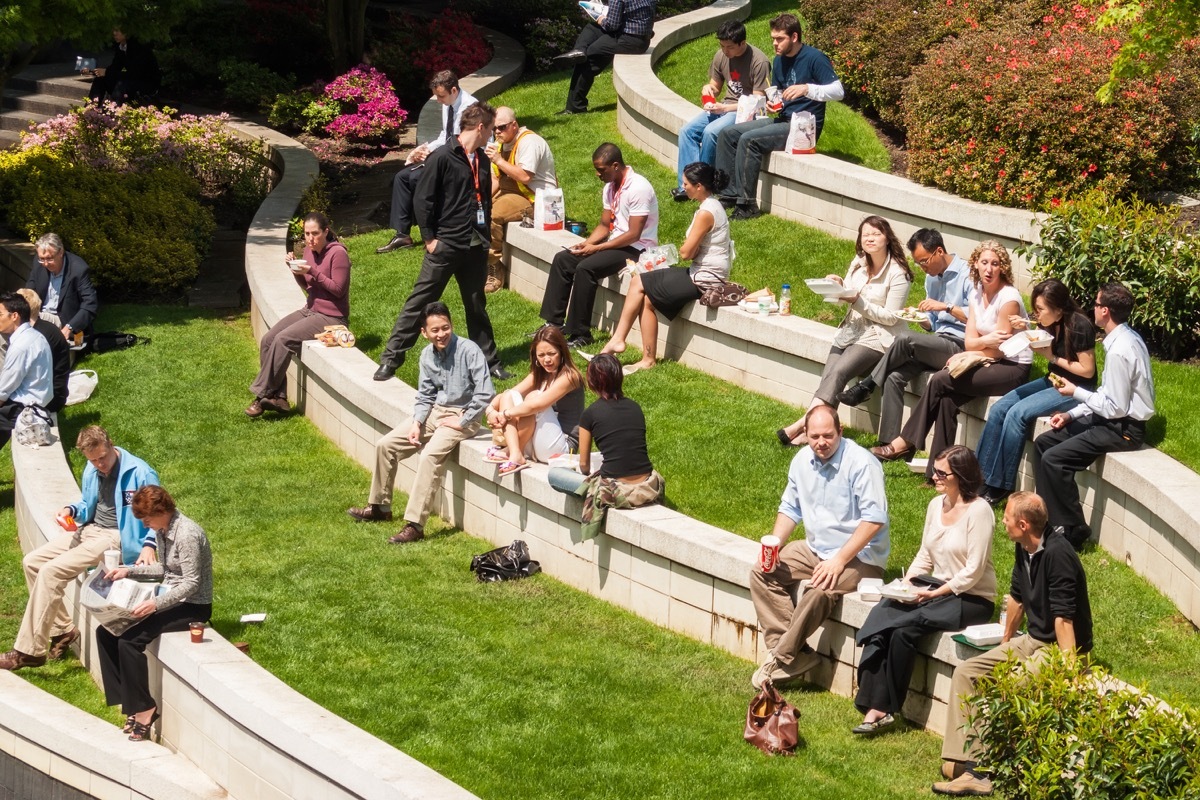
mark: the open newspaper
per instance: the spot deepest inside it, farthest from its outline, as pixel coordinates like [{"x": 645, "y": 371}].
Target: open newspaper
[{"x": 112, "y": 602}]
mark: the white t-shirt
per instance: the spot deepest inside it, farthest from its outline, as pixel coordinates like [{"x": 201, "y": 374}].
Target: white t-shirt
[
  {"x": 634, "y": 198},
  {"x": 534, "y": 156},
  {"x": 712, "y": 261},
  {"x": 987, "y": 314}
]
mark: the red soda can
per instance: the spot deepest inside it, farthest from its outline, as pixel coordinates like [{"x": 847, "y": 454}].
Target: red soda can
[
  {"x": 770, "y": 553},
  {"x": 707, "y": 97}
]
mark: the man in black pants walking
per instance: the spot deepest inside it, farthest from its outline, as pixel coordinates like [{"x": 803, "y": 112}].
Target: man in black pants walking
[
  {"x": 626, "y": 29},
  {"x": 1110, "y": 419},
  {"x": 453, "y": 204}
]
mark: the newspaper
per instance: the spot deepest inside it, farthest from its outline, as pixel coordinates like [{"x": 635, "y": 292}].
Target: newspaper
[{"x": 112, "y": 602}]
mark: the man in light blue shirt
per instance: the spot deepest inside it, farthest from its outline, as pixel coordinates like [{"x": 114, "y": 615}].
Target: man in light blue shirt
[
  {"x": 835, "y": 487},
  {"x": 26, "y": 379},
  {"x": 945, "y": 310}
]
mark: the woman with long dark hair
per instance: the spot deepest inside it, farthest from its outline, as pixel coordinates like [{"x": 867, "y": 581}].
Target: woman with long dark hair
[
  {"x": 667, "y": 291},
  {"x": 956, "y": 588},
  {"x": 878, "y": 281},
  {"x": 1072, "y": 355},
  {"x": 324, "y": 276},
  {"x": 539, "y": 417}
]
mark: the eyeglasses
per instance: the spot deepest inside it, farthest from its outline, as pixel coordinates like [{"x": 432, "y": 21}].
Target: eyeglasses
[
  {"x": 504, "y": 127},
  {"x": 924, "y": 262},
  {"x": 942, "y": 474}
]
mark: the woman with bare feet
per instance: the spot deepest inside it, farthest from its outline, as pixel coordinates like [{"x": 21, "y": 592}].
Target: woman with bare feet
[
  {"x": 876, "y": 289},
  {"x": 539, "y": 417},
  {"x": 667, "y": 291}
]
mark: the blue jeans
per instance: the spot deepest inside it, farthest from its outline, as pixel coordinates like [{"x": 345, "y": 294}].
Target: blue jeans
[
  {"x": 565, "y": 480},
  {"x": 698, "y": 139},
  {"x": 1008, "y": 424}
]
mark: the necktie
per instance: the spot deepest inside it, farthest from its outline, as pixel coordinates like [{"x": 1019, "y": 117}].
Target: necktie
[{"x": 448, "y": 116}]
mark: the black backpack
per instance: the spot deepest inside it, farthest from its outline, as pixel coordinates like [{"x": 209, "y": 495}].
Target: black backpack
[{"x": 105, "y": 341}]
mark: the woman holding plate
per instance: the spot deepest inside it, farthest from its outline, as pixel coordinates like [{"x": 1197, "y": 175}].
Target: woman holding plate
[
  {"x": 956, "y": 589},
  {"x": 876, "y": 287},
  {"x": 1071, "y": 355}
]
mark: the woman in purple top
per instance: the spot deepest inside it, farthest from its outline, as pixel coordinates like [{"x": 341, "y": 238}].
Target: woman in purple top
[{"x": 324, "y": 275}]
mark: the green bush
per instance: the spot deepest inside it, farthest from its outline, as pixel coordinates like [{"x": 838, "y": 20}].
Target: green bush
[
  {"x": 144, "y": 234},
  {"x": 1097, "y": 239},
  {"x": 287, "y": 112},
  {"x": 248, "y": 85},
  {"x": 1057, "y": 735},
  {"x": 1009, "y": 116}
]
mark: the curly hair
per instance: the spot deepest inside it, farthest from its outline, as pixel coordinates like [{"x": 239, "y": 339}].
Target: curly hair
[{"x": 1006, "y": 271}]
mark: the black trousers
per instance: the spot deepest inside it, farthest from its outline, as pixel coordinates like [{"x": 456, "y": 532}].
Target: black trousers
[
  {"x": 1071, "y": 449},
  {"x": 910, "y": 355},
  {"x": 403, "y": 186},
  {"x": 468, "y": 266},
  {"x": 890, "y": 650},
  {"x": 571, "y": 286},
  {"x": 9, "y": 411},
  {"x": 123, "y": 658},
  {"x": 600, "y": 48}
]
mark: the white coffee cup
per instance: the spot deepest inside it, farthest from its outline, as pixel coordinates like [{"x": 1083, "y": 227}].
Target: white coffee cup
[{"x": 112, "y": 559}]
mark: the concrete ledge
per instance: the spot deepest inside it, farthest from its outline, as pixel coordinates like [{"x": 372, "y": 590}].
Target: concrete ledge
[{"x": 826, "y": 193}]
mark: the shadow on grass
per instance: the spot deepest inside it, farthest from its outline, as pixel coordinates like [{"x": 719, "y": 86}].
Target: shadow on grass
[{"x": 1156, "y": 430}]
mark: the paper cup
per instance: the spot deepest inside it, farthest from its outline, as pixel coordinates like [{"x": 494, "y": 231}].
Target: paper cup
[
  {"x": 769, "y": 558},
  {"x": 112, "y": 559},
  {"x": 197, "y": 630}
]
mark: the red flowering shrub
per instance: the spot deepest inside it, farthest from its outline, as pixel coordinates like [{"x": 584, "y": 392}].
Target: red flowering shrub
[
  {"x": 875, "y": 46},
  {"x": 1010, "y": 116},
  {"x": 368, "y": 107}
]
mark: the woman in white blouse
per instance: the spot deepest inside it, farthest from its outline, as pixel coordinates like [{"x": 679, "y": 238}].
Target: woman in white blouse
[
  {"x": 878, "y": 281},
  {"x": 994, "y": 302},
  {"x": 955, "y": 582}
]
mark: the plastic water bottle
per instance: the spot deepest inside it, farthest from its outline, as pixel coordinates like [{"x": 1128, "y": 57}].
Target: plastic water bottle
[
  {"x": 1004, "y": 613},
  {"x": 785, "y": 300}
]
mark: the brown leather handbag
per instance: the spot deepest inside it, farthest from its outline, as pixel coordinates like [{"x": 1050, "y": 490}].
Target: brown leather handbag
[{"x": 771, "y": 722}]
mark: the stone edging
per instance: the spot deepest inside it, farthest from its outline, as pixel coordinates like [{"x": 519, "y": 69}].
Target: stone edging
[{"x": 826, "y": 193}]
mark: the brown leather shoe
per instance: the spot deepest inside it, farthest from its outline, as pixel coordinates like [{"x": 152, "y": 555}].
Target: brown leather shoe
[
  {"x": 409, "y": 533},
  {"x": 886, "y": 452},
  {"x": 15, "y": 659},
  {"x": 59, "y": 645},
  {"x": 255, "y": 409},
  {"x": 493, "y": 284},
  {"x": 370, "y": 513},
  {"x": 279, "y": 404}
]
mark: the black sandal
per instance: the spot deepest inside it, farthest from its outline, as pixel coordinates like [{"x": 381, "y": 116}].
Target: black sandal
[
  {"x": 140, "y": 732},
  {"x": 130, "y": 721}
]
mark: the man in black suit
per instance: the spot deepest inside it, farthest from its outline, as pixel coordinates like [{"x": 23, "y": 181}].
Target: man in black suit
[{"x": 61, "y": 281}]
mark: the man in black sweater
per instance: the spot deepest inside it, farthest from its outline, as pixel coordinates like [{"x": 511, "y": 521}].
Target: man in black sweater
[
  {"x": 1050, "y": 589},
  {"x": 60, "y": 350},
  {"x": 453, "y": 205}
]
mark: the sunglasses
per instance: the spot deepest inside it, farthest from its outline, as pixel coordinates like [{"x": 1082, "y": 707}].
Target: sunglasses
[
  {"x": 938, "y": 473},
  {"x": 502, "y": 128}
]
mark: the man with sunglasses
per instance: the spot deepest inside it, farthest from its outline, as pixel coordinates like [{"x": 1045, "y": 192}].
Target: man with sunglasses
[
  {"x": 453, "y": 204},
  {"x": 912, "y": 353},
  {"x": 521, "y": 164},
  {"x": 1111, "y": 419}
]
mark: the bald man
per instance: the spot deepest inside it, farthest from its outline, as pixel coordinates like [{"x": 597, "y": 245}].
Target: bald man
[{"x": 521, "y": 164}]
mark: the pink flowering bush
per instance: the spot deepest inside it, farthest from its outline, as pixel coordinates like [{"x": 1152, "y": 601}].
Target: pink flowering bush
[
  {"x": 369, "y": 107},
  {"x": 1010, "y": 116}
]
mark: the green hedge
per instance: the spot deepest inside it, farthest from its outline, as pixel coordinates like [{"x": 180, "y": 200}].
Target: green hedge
[{"x": 144, "y": 234}]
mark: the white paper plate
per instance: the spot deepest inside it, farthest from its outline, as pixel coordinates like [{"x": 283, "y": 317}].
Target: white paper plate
[{"x": 828, "y": 289}]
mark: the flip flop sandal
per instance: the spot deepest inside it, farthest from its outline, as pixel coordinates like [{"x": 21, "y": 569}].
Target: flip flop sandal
[
  {"x": 495, "y": 455},
  {"x": 509, "y": 467}
]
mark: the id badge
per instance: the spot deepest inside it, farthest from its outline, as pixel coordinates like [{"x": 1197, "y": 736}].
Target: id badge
[{"x": 479, "y": 216}]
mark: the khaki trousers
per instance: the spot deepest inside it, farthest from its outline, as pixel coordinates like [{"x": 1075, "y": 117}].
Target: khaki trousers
[
  {"x": 962, "y": 684},
  {"x": 437, "y": 443},
  {"x": 786, "y": 624},
  {"x": 48, "y": 569},
  {"x": 506, "y": 207}
]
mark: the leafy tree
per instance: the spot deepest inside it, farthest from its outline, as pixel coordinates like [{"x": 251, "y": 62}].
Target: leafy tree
[
  {"x": 28, "y": 25},
  {"x": 1154, "y": 28},
  {"x": 346, "y": 22}
]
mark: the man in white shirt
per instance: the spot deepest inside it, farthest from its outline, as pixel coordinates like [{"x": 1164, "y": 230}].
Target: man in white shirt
[
  {"x": 1110, "y": 419},
  {"x": 835, "y": 487},
  {"x": 521, "y": 164},
  {"x": 627, "y": 227},
  {"x": 27, "y": 376},
  {"x": 446, "y": 91}
]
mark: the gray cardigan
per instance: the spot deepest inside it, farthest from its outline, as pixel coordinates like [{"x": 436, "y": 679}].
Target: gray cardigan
[{"x": 184, "y": 566}]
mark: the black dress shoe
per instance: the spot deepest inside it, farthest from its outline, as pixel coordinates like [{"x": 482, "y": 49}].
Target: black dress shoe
[
  {"x": 747, "y": 212},
  {"x": 582, "y": 340},
  {"x": 499, "y": 373},
  {"x": 569, "y": 58},
  {"x": 993, "y": 496},
  {"x": 398, "y": 242},
  {"x": 386, "y": 370},
  {"x": 566, "y": 112},
  {"x": 679, "y": 195},
  {"x": 858, "y": 393}
]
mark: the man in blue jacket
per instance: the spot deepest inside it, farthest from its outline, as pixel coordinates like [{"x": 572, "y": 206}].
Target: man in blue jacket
[{"x": 105, "y": 521}]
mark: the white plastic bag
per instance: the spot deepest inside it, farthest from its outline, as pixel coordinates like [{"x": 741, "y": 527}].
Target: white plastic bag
[
  {"x": 549, "y": 210},
  {"x": 749, "y": 106},
  {"x": 802, "y": 133},
  {"x": 80, "y": 385}
]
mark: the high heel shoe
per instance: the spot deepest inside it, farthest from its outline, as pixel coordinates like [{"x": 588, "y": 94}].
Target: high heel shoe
[{"x": 140, "y": 732}]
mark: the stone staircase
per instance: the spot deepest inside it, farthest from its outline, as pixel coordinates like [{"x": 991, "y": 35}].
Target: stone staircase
[{"x": 39, "y": 92}]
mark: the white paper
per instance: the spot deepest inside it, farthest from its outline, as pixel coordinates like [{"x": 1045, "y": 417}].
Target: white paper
[{"x": 248, "y": 618}]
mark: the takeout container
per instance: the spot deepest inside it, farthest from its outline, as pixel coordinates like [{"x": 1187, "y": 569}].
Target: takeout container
[
  {"x": 831, "y": 291},
  {"x": 984, "y": 635},
  {"x": 1021, "y": 341},
  {"x": 869, "y": 590}
]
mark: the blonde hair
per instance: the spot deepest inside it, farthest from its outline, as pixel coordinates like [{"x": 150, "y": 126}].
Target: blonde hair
[
  {"x": 91, "y": 437},
  {"x": 1031, "y": 508},
  {"x": 35, "y": 302},
  {"x": 1001, "y": 255}
]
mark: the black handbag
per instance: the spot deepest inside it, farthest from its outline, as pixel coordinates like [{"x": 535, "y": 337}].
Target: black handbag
[{"x": 505, "y": 563}]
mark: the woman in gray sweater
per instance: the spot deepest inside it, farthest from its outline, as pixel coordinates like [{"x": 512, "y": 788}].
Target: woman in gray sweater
[{"x": 185, "y": 569}]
